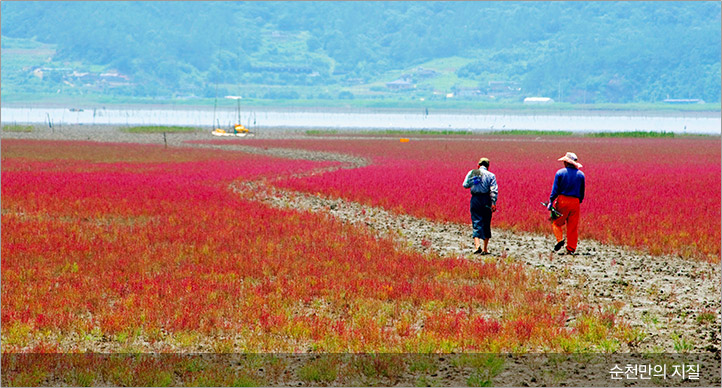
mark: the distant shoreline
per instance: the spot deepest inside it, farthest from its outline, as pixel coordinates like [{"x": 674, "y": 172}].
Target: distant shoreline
[{"x": 517, "y": 111}]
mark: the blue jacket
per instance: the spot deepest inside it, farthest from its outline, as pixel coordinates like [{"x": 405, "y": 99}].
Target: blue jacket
[{"x": 570, "y": 182}]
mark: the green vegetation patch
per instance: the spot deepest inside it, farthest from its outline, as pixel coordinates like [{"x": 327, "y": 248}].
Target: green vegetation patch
[
  {"x": 321, "y": 132},
  {"x": 322, "y": 370},
  {"x": 531, "y": 132},
  {"x": 632, "y": 134},
  {"x": 423, "y": 132},
  {"x": 393, "y": 132},
  {"x": 485, "y": 367},
  {"x": 17, "y": 128},
  {"x": 158, "y": 129}
]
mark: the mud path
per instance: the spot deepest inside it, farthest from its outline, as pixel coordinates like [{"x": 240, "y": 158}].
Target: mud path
[{"x": 674, "y": 303}]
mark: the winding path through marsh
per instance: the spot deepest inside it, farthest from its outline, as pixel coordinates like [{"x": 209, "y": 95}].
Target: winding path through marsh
[{"x": 673, "y": 303}]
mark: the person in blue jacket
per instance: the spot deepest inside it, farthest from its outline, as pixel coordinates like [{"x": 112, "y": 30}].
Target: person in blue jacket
[
  {"x": 484, "y": 192},
  {"x": 568, "y": 192}
]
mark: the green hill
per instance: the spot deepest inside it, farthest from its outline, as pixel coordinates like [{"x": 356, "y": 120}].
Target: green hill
[{"x": 573, "y": 52}]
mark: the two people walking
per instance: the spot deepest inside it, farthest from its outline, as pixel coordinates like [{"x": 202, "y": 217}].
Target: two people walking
[{"x": 567, "y": 193}]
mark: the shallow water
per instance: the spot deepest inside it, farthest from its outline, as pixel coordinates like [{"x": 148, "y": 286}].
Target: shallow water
[{"x": 577, "y": 122}]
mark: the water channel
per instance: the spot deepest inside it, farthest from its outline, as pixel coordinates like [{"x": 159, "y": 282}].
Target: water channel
[{"x": 677, "y": 122}]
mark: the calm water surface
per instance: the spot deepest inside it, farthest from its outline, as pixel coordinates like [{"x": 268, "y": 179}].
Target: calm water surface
[{"x": 681, "y": 123}]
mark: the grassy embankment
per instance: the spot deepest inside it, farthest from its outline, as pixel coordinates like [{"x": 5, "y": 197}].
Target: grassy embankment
[
  {"x": 326, "y": 132},
  {"x": 395, "y": 132},
  {"x": 520, "y": 132},
  {"x": 17, "y": 128}
]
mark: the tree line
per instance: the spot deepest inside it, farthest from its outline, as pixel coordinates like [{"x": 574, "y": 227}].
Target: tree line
[{"x": 580, "y": 51}]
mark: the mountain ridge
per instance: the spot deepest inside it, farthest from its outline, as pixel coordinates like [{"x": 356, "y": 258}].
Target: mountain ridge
[{"x": 589, "y": 52}]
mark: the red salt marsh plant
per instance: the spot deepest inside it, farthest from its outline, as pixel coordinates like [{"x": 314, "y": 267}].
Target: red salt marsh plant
[
  {"x": 142, "y": 255},
  {"x": 659, "y": 195}
]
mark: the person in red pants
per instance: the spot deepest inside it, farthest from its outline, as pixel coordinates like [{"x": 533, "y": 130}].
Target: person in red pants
[{"x": 568, "y": 191}]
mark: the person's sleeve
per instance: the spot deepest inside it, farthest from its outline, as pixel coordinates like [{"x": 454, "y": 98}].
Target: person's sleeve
[
  {"x": 555, "y": 189},
  {"x": 581, "y": 189},
  {"x": 493, "y": 189},
  {"x": 467, "y": 183}
]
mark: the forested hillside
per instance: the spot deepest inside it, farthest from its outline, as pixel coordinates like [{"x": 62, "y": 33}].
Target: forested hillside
[{"x": 579, "y": 52}]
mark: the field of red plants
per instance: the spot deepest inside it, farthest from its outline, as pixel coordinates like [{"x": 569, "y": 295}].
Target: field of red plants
[
  {"x": 139, "y": 248},
  {"x": 658, "y": 195}
]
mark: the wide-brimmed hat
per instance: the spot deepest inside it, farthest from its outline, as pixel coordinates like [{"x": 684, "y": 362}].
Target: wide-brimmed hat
[{"x": 570, "y": 158}]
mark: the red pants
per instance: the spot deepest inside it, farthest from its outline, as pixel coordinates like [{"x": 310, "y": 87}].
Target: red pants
[{"x": 569, "y": 207}]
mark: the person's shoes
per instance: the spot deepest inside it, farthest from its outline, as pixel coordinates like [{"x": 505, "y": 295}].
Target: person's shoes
[
  {"x": 568, "y": 253},
  {"x": 484, "y": 253},
  {"x": 478, "y": 251},
  {"x": 559, "y": 245}
]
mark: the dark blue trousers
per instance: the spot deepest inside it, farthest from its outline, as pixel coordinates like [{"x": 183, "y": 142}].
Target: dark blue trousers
[{"x": 481, "y": 215}]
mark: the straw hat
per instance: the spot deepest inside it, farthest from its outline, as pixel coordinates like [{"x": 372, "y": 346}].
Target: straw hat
[
  {"x": 570, "y": 158},
  {"x": 484, "y": 161}
]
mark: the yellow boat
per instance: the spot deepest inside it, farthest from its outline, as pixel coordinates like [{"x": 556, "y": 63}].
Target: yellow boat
[{"x": 237, "y": 129}]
